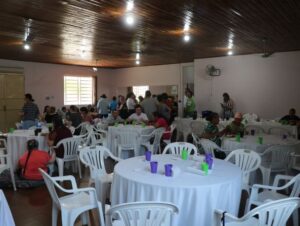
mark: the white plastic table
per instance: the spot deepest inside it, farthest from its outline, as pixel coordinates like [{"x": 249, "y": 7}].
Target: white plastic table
[
  {"x": 6, "y": 218},
  {"x": 16, "y": 143},
  {"x": 251, "y": 142},
  {"x": 195, "y": 194},
  {"x": 112, "y": 132}
]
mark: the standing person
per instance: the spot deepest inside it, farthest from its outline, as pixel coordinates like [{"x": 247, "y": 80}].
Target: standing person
[
  {"x": 113, "y": 104},
  {"x": 149, "y": 105},
  {"x": 131, "y": 102},
  {"x": 30, "y": 112},
  {"x": 103, "y": 106},
  {"x": 122, "y": 108},
  {"x": 190, "y": 106},
  {"x": 227, "y": 106},
  {"x": 163, "y": 108}
]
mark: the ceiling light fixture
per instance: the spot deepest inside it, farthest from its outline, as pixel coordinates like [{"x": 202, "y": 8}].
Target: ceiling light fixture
[
  {"x": 130, "y": 5},
  {"x": 137, "y": 62},
  {"x": 137, "y": 56},
  {"x": 95, "y": 69},
  {"x": 229, "y": 53},
  {"x": 26, "y": 46},
  {"x": 186, "y": 37},
  {"x": 129, "y": 19}
]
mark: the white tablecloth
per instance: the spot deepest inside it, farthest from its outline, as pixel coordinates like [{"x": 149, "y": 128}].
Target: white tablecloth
[
  {"x": 251, "y": 142},
  {"x": 112, "y": 132},
  {"x": 6, "y": 218},
  {"x": 16, "y": 143},
  {"x": 197, "y": 196}
]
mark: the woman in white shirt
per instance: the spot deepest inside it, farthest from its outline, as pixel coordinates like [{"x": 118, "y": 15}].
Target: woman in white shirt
[{"x": 130, "y": 102}]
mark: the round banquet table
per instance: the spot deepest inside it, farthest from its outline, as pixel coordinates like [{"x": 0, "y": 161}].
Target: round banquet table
[
  {"x": 6, "y": 217},
  {"x": 195, "y": 194},
  {"x": 250, "y": 142},
  {"x": 112, "y": 132},
  {"x": 16, "y": 144}
]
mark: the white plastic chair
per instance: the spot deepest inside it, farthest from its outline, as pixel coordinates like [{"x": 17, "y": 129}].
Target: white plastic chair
[
  {"x": 250, "y": 117},
  {"x": 274, "y": 213},
  {"x": 93, "y": 157},
  {"x": 143, "y": 213},
  {"x": 172, "y": 128},
  {"x": 6, "y": 163},
  {"x": 196, "y": 142},
  {"x": 70, "y": 146},
  {"x": 275, "y": 159},
  {"x": 78, "y": 201},
  {"x": 127, "y": 140},
  {"x": 155, "y": 146},
  {"x": 258, "y": 129},
  {"x": 209, "y": 147},
  {"x": 248, "y": 161},
  {"x": 279, "y": 131},
  {"x": 272, "y": 192},
  {"x": 198, "y": 127},
  {"x": 84, "y": 126},
  {"x": 177, "y": 147}
]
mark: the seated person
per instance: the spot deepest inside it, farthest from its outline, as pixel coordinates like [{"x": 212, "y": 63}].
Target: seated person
[
  {"x": 236, "y": 126},
  {"x": 291, "y": 118},
  {"x": 161, "y": 122},
  {"x": 33, "y": 159},
  {"x": 114, "y": 118},
  {"x": 51, "y": 115},
  {"x": 86, "y": 117},
  {"x": 60, "y": 131},
  {"x": 138, "y": 116},
  {"x": 212, "y": 133}
]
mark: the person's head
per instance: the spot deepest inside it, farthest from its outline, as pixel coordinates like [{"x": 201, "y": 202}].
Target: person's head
[
  {"x": 141, "y": 98},
  {"x": 32, "y": 144},
  {"x": 226, "y": 97},
  {"x": 130, "y": 95},
  {"x": 57, "y": 122},
  {"x": 122, "y": 99},
  {"x": 92, "y": 109},
  {"x": 103, "y": 96},
  {"x": 147, "y": 94},
  {"x": 292, "y": 111},
  {"x": 115, "y": 114},
  {"x": 28, "y": 97},
  {"x": 164, "y": 97},
  {"x": 64, "y": 109},
  {"x": 189, "y": 93},
  {"x": 46, "y": 109},
  {"x": 114, "y": 98},
  {"x": 213, "y": 118},
  {"x": 72, "y": 108},
  {"x": 238, "y": 117},
  {"x": 84, "y": 111},
  {"x": 52, "y": 110},
  {"x": 138, "y": 109}
]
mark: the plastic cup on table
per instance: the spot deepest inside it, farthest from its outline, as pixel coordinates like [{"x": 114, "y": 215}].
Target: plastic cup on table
[
  {"x": 148, "y": 155},
  {"x": 238, "y": 137},
  {"x": 11, "y": 130},
  {"x": 204, "y": 167},
  {"x": 209, "y": 163},
  {"x": 153, "y": 166},
  {"x": 168, "y": 170},
  {"x": 260, "y": 140},
  {"x": 184, "y": 154},
  {"x": 116, "y": 124}
]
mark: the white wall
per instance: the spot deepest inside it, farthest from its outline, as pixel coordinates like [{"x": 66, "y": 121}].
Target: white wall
[
  {"x": 266, "y": 86},
  {"x": 46, "y": 80}
]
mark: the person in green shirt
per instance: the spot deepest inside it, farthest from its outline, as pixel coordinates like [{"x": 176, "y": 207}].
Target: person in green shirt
[
  {"x": 190, "y": 106},
  {"x": 236, "y": 126}
]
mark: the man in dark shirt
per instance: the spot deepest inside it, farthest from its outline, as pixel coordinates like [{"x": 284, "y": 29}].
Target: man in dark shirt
[
  {"x": 291, "y": 118},
  {"x": 30, "y": 112}
]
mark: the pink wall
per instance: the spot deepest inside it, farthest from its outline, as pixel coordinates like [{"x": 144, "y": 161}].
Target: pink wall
[{"x": 266, "y": 86}]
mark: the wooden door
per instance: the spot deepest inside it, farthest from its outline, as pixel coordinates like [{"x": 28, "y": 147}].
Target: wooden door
[{"x": 11, "y": 99}]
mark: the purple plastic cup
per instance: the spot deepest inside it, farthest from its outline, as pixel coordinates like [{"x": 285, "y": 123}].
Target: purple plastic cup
[
  {"x": 209, "y": 163},
  {"x": 153, "y": 166},
  {"x": 168, "y": 170},
  {"x": 148, "y": 155}
]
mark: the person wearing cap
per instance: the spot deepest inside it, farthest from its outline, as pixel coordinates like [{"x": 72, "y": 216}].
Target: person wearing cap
[
  {"x": 30, "y": 112},
  {"x": 236, "y": 126}
]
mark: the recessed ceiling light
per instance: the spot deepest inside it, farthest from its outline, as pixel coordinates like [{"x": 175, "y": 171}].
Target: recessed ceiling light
[
  {"x": 230, "y": 45},
  {"x": 129, "y": 19},
  {"x": 229, "y": 53},
  {"x": 137, "y": 56},
  {"x": 130, "y": 5},
  {"x": 26, "y": 46},
  {"x": 137, "y": 62},
  {"x": 186, "y": 38},
  {"x": 95, "y": 69},
  {"x": 64, "y": 2}
]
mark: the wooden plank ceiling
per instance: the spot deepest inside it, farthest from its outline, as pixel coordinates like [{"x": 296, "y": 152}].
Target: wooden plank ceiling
[{"x": 94, "y": 32}]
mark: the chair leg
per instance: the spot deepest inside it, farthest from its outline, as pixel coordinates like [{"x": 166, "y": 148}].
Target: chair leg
[
  {"x": 54, "y": 215},
  {"x": 65, "y": 218},
  {"x": 79, "y": 167},
  {"x": 12, "y": 175},
  {"x": 85, "y": 219},
  {"x": 295, "y": 218},
  {"x": 60, "y": 164},
  {"x": 265, "y": 175}
]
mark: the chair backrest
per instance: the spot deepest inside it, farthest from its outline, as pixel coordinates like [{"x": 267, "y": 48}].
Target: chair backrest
[
  {"x": 256, "y": 128},
  {"x": 279, "y": 131},
  {"x": 127, "y": 137},
  {"x": 70, "y": 146},
  {"x": 177, "y": 147},
  {"x": 280, "y": 156},
  {"x": 143, "y": 213},
  {"x": 296, "y": 187},
  {"x": 157, "y": 138},
  {"x": 198, "y": 127},
  {"x": 209, "y": 146},
  {"x": 275, "y": 213},
  {"x": 93, "y": 157},
  {"x": 51, "y": 187},
  {"x": 250, "y": 117},
  {"x": 3, "y": 150},
  {"x": 84, "y": 128},
  {"x": 247, "y": 160}
]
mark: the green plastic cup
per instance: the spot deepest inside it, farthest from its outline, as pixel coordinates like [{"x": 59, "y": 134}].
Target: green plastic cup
[
  {"x": 11, "y": 130},
  {"x": 184, "y": 154},
  {"x": 260, "y": 140},
  {"x": 204, "y": 167},
  {"x": 238, "y": 137}
]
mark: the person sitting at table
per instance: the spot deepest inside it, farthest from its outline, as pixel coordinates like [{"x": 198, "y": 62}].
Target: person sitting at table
[
  {"x": 161, "y": 122},
  {"x": 60, "y": 131},
  {"x": 138, "y": 116},
  {"x": 236, "y": 126},
  {"x": 114, "y": 118},
  {"x": 51, "y": 115},
  {"x": 86, "y": 117},
  {"x": 30, "y": 112},
  {"x": 212, "y": 132},
  {"x": 291, "y": 118}
]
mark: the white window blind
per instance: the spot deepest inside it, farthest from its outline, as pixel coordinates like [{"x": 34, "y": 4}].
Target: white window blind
[
  {"x": 140, "y": 90},
  {"x": 78, "y": 90}
]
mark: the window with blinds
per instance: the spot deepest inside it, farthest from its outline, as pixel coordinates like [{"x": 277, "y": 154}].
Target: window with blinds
[{"x": 78, "y": 90}]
